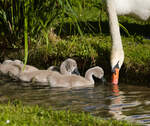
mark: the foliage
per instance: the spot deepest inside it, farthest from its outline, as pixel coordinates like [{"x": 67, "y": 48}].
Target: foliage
[
  {"x": 42, "y": 16},
  {"x": 17, "y": 114}
]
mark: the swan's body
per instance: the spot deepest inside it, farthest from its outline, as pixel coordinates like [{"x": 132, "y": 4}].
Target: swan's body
[
  {"x": 73, "y": 81},
  {"x": 67, "y": 67},
  {"x": 140, "y": 8}
]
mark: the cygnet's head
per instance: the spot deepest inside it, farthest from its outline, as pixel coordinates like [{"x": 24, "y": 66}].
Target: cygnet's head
[
  {"x": 69, "y": 66},
  {"x": 98, "y": 72}
]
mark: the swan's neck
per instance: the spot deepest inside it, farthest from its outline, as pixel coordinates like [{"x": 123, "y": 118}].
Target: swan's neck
[
  {"x": 117, "y": 54},
  {"x": 114, "y": 25},
  {"x": 89, "y": 76}
]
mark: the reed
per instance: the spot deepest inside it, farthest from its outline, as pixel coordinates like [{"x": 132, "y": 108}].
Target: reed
[
  {"x": 42, "y": 16},
  {"x": 26, "y": 9}
]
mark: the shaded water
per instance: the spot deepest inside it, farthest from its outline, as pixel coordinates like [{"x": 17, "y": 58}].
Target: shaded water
[{"x": 124, "y": 102}]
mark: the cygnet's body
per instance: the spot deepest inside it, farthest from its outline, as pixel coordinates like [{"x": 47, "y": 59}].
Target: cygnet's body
[
  {"x": 74, "y": 81},
  {"x": 13, "y": 68},
  {"x": 9, "y": 65},
  {"x": 20, "y": 68},
  {"x": 26, "y": 68},
  {"x": 68, "y": 67},
  {"x": 6, "y": 68},
  {"x": 35, "y": 76},
  {"x": 11, "y": 62}
]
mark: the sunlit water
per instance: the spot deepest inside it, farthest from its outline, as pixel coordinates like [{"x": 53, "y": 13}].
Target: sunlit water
[{"x": 128, "y": 102}]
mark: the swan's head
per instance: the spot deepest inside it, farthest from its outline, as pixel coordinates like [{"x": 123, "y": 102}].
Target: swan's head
[
  {"x": 117, "y": 58},
  {"x": 69, "y": 66}
]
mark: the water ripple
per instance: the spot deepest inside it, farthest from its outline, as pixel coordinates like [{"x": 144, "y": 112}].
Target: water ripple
[{"x": 129, "y": 102}]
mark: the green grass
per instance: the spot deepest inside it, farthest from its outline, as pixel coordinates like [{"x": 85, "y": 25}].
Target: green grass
[{"x": 20, "y": 115}]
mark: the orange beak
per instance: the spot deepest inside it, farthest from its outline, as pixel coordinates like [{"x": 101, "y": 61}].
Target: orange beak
[{"x": 115, "y": 76}]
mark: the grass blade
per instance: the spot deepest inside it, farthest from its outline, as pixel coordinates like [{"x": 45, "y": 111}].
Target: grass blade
[{"x": 26, "y": 32}]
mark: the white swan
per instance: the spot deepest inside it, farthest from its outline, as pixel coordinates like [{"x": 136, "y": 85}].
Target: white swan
[
  {"x": 140, "y": 8},
  {"x": 67, "y": 67},
  {"x": 73, "y": 81}
]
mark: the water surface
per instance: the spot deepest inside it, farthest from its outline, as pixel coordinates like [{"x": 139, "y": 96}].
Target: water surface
[{"x": 125, "y": 101}]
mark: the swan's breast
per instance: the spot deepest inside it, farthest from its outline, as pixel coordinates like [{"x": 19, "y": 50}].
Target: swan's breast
[
  {"x": 140, "y": 8},
  {"x": 122, "y": 6}
]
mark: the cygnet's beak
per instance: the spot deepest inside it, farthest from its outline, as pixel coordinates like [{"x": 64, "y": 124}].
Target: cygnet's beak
[
  {"x": 115, "y": 76},
  {"x": 76, "y": 71},
  {"x": 103, "y": 80}
]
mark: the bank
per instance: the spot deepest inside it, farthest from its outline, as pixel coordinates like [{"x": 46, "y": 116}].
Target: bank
[
  {"x": 17, "y": 114},
  {"x": 90, "y": 50}
]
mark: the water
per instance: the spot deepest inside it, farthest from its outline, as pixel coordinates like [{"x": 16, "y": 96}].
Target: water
[{"x": 128, "y": 102}]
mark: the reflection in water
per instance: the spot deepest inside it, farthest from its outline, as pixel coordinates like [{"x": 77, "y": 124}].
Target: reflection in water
[
  {"x": 123, "y": 108},
  {"x": 124, "y": 102},
  {"x": 116, "y": 106}
]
